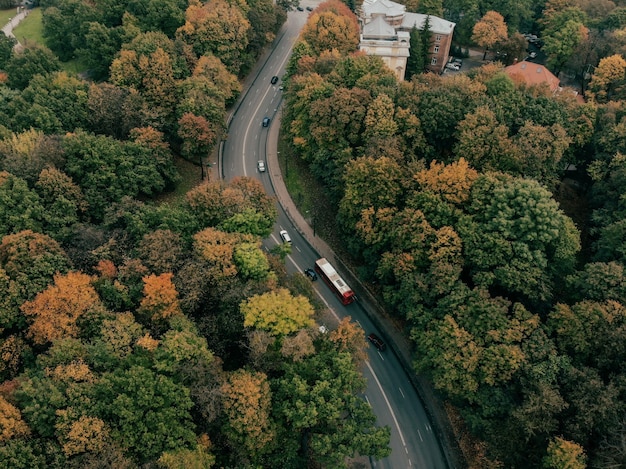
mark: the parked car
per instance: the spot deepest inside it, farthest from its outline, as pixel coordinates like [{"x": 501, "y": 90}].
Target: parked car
[
  {"x": 261, "y": 165},
  {"x": 266, "y": 121},
  {"x": 311, "y": 274},
  {"x": 274, "y": 80},
  {"x": 299, "y": 8},
  {"x": 453, "y": 66},
  {"x": 532, "y": 55},
  {"x": 285, "y": 236},
  {"x": 309, "y": 8},
  {"x": 458, "y": 61},
  {"x": 376, "y": 342}
]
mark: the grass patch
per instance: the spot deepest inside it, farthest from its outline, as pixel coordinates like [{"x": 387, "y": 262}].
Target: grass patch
[
  {"x": 189, "y": 178},
  {"x": 6, "y": 15},
  {"x": 30, "y": 29},
  {"x": 310, "y": 197}
]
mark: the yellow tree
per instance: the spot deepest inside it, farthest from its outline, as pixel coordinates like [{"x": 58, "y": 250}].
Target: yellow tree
[
  {"x": 278, "y": 312},
  {"x": 212, "y": 68},
  {"x": 490, "y": 30},
  {"x": 564, "y": 454},
  {"x": 332, "y": 26},
  {"x": 608, "y": 78},
  {"x": 55, "y": 311},
  {"x": 247, "y": 404},
  {"x": 80, "y": 434},
  {"x": 11, "y": 423},
  {"x": 452, "y": 182},
  {"x": 160, "y": 300},
  {"x": 217, "y": 248}
]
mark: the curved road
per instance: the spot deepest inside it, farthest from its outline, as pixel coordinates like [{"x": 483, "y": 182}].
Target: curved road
[{"x": 389, "y": 391}]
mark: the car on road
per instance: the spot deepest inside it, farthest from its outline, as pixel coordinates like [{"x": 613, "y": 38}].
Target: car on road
[
  {"x": 285, "y": 236},
  {"x": 311, "y": 274},
  {"x": 532, "y": 55},
  {"x": 266, "y": 122},
  {"x": 299, "y": 8},
  {"x": 274, "y": 80},
  {"x": 309, "y": 8},
  {"x": 261, "y": 165},
  {"x": 376, "y": 342}
]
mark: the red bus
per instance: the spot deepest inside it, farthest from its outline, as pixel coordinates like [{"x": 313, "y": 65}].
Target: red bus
[{"x": 334, "y": 281}]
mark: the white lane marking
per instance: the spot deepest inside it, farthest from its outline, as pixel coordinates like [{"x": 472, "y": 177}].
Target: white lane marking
[
  {"x": 367, "y": 400},
  {"x": 400, "y": 389},
  {"x": 381, "y": 357},
  {"x": 267, "y": 90},
  {"x": 297, "y": 248},
  {"x": 428, "y": 428},
  {"x": 410, "y": 463},
  {"x": 420, "y": 434},
  {"x": 395, "y": 421}
]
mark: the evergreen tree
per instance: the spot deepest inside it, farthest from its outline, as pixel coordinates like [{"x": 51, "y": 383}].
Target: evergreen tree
[{"x": 415, "y": 62}]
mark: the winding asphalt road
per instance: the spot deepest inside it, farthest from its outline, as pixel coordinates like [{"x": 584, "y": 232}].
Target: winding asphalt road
[{"x": 389, "y": 391}]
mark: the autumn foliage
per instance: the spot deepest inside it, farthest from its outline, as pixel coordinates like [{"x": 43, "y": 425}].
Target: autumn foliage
[{"x": 55, "y": 311}]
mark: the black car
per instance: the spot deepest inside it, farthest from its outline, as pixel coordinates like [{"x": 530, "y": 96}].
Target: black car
[
  {"x": 311, "y": 274},
  {"x": 274, "y": 80},
  {"x": 309, "y": 8},
  {"x": 299, "y": 8},
  {"x": 266, "y": 122},
  {"x": 377, "y": 342}
]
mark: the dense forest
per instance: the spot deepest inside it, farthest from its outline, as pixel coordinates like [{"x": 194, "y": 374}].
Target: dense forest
[
  {"x": 489, "y": 215},
  {"x": 139, "y": 332}
]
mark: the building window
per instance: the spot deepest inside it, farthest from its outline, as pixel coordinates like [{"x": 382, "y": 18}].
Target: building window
[
  {"x": 433, "y": 61},
  {"x": 438, "y": 38},
  {"x": 436, "y": 49}
]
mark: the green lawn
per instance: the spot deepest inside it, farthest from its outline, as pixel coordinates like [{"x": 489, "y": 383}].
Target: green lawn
[
  {"x": 30, "y": 29},
  {"x": 5, "y": 15}
]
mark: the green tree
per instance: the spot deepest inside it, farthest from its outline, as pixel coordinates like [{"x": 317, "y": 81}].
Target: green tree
[
  {"x": 31, "y": 260},
  {"x": 278, "y": 312},
  {"x": 147, "y": 412},
  {"x": 322, "y": 415},
  {"x": 6, "y": 49},
  {"x": 123, "y": 169},
  {"x": 21, "y": 208},
  {"x": 416, "y": 62},
  {"x": 485, "y": 143},
  {"x": 515, "y": 243},
  {"x": 251, "y": 261},
  {"x": 31, "y": 61}
]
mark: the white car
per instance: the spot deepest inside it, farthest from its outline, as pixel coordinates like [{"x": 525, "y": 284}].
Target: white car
[
  {"x": 285, "y": 236},
  {"x": 453, "y": 66},
  {"x": 261, "y": 165}
]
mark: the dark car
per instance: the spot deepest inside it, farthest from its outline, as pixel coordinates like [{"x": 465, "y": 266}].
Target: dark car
[
  {"x": 309, "y": 8},
  {"x": 266, "y": 121},
  {"x": 274, "y": 80},
  {"x": 311, "y": 274},
  {"x": 376, "y": 342},
  {"x": 299, "y": 8}
]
